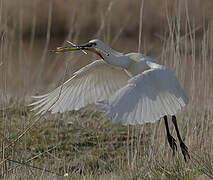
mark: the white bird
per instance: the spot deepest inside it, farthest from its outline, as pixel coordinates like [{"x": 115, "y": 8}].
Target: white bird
[{"x": 133, "y": 88}]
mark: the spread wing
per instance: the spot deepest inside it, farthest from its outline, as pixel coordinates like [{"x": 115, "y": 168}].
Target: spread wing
[
  {"x": 147, "y": 97},
  {"x": 94, "y": 82}
]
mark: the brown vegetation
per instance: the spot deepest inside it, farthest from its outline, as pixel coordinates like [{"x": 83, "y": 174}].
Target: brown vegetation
[{"x": 178, "y": 33}]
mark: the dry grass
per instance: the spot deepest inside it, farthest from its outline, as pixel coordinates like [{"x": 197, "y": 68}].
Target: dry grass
[{"x": 83, "y": 144}]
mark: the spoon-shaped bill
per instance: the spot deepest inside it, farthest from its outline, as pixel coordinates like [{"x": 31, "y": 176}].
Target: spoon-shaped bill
[{"x": 67, "y": 49}]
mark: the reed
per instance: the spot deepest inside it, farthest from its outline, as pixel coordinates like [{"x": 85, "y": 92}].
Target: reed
[{"x": 82, "y": 144}]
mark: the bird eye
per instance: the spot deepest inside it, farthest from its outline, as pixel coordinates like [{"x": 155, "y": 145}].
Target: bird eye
[{"x": 91, "y": 44}]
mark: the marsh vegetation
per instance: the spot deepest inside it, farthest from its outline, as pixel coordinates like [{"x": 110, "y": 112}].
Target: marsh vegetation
[{"x": 179, "y": 34}]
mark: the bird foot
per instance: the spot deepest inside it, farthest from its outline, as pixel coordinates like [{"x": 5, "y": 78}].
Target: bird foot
[
  {"x": 172, "y": 143},
  {"x": 184, "y": 150}
]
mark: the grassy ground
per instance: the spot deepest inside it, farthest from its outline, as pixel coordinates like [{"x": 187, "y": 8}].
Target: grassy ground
[
  {"x": 82, "y": 144},
  {"x": 85, "y": 145}
]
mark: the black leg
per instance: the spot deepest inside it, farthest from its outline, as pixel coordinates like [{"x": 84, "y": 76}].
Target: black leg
[
  {"x": 184, "y": 148},
  {"x": 171, "y": 140}
]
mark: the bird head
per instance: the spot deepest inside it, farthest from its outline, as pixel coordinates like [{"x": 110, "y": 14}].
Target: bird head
[{"x": 96, "y": 46}]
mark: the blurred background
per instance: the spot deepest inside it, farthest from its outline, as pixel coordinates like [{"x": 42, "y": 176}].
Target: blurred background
[
  {"x": 28, "y": 29},
  {"x": 178, "y": 33}
]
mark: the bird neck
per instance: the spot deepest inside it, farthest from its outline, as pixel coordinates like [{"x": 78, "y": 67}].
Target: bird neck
[
  {"x": 120, "y": 61},
  {"x": 116, "y": 60}
]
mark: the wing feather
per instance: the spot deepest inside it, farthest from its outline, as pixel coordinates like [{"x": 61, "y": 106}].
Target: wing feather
[
  {"x": 94, "y": 82},
  {"x": 146, "y": 98}
]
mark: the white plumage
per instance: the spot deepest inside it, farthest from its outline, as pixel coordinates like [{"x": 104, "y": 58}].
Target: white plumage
[
  {"x": 134, "y": 88},
  {"x": 147, "y": 97},
  {"x": 94, "y": 82}
]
